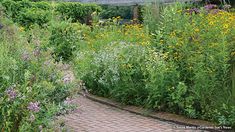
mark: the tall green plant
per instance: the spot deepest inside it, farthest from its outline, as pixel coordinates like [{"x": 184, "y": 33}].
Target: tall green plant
[
  {"x": 197, "y": 41},
  {"x": 151, "y": 15}
]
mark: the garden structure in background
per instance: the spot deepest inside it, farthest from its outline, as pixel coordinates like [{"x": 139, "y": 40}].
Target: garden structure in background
[{"x": 134, "y": 5}]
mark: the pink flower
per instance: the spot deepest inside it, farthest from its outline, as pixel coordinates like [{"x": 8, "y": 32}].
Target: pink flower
[
  {"x": 11, "y": 92},
  {"x": 34, "y": 106}
]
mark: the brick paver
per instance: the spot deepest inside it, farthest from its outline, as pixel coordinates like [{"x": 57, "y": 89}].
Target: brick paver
[{"x": 96, "y": 117}]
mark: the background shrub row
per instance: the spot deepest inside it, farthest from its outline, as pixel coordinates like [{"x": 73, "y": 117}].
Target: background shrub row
[{"x": 27, "y": 13}]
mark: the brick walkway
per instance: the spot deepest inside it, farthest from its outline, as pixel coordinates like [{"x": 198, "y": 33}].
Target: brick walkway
[{"x": 96, "y": 117}]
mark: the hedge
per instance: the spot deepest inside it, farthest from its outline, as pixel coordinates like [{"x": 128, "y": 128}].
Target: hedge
[
  {"x": 76, "y": 11},
  {"x": 27, "y": 13}
]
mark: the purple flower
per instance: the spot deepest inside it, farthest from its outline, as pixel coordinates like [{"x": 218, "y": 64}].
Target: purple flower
[
  {"x": 193, "y": 10},
  {"x": 215, "y": 11},
  {"x": 210, "y": 6},
  {"x": 67, "y": 79},
  {"x": 25, "y": 56},
  {"x": 36, "y": 52},
  {"x": 34, "y": 106},
  {"x": 11, "y": 92}
]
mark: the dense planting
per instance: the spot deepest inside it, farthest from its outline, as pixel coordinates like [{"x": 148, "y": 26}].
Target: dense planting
[
  {"x": 201, "y": 44},
  {"x": 180, "y": 60},
  {"x": 77, "y": 11},
  {"x": 32, "y": 88},
  {"x": 27, "y": 13},
  {"x": 64, "y": 40},
  {"x": 194, "y": 56}
]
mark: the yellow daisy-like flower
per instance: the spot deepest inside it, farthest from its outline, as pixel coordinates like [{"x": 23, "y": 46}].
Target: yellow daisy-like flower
[
  {"x": 225, "y": 26},
  {"x": 21, "y": 29},
  {"x": 211, "y": 23},
  {"x": 197, "y": 30}
]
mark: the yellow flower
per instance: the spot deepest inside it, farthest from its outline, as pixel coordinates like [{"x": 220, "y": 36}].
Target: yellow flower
[
  {"x": 179, "y": 11},
  {"x": 172, "y": 34},
  {"x": 211, "y": 23},
  {"x": 21, "y": 29},
  {"x": 197, "y": 30},
  {"x": 118, "y": 17},
  {"x": 225, "y": 26},
  {"x": 233, "y": 53}
]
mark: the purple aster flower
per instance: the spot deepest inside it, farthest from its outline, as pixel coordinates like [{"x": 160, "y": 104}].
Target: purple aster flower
[
  {"x": 193, "y": 10},
  {"x": 36, "y": 52},
  {"x": 34, "y": 106},
  {"x": 25, "y": 56},
  {"x": 67, "y": 79},
  {"x": 210, "y": 6},
  {"x": 11, "y": 92},
  {"x": 215, "y": 11}
]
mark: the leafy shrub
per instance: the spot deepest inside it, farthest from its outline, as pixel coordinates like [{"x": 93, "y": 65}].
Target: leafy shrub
[
  {"x": 42, "y": 5},
  {"x": 199, "y": 42},
  {"x": 114, "y": 11},
  {"x": 29, "y": 80},
  {"x": 125, "y": 72},
  {"x": 29, "y": 17},
  {"x": 64, "y": 40},
  {"x": 27, "y": 13},
  {"x": 76, "y": 11},
  {"x": 111, "y": 31}
]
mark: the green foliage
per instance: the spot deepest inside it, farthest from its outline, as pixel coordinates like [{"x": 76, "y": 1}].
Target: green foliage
[
  {"x": 31, "y": 16},
  {"x": 226, "y": 115},
  {"x": 151, "y": 16},
  {"x": 200, "y": 46},
  {"x": 64, "y": 40},
  {"x": 125, "y": 72},
  {"x": 188, "y": 73},
  {"x": 124, "y": 12},
  {"x": 28, "y": 75},
  {"x": 27, "y": 13},
  {"x": 76, "y": 11}
]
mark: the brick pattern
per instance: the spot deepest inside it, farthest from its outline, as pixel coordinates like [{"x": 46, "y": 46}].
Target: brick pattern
[{"x": 96, "y": 117}]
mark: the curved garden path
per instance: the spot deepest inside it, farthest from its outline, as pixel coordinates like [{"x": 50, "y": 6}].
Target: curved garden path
[{"x": 96, "y": 117}]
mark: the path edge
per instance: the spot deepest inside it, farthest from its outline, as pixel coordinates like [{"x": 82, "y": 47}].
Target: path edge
[{"x": 150, "y": 115}]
